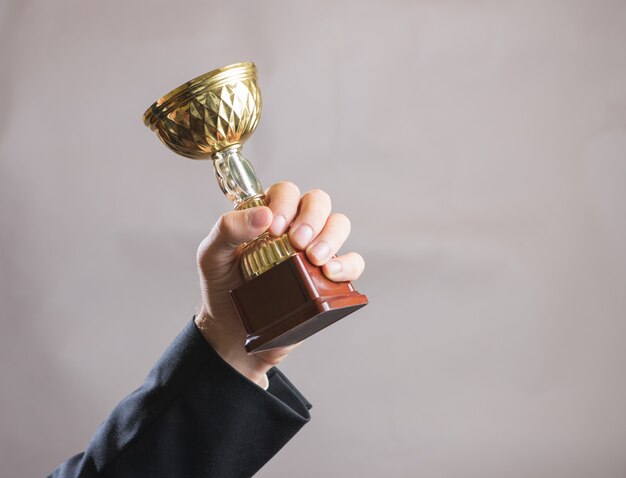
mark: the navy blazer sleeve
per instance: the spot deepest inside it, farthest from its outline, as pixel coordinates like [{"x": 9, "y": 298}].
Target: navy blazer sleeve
[{"x": 194, "y": 416}]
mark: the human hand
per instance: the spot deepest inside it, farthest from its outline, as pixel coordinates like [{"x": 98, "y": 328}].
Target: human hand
[{"x": 311, "y": 227}]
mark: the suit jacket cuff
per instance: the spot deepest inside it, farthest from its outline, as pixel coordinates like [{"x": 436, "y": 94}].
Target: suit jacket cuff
[{"x": 194, "y": 416}]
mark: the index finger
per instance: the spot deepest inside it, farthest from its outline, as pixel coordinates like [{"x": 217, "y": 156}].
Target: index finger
[{"x": 283, "y": 199}]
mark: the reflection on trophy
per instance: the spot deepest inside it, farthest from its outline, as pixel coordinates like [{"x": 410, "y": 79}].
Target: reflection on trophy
[{"x": 285, "y": 298}]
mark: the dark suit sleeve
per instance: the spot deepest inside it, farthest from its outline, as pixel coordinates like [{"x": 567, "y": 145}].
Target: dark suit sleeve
[{"x": 194, "y": 416}]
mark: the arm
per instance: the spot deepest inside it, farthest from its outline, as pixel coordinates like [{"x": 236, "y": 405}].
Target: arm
[
  {"x": 193, "y": 416},
  {"x": 203, "y": 410}
]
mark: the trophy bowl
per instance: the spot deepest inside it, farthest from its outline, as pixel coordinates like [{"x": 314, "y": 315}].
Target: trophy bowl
[{"x": 209, "y": 113}]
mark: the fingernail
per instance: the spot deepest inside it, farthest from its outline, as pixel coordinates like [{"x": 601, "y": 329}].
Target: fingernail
[
  {"x": 257, "y": 217},
  {"x": 334, "y": 267},
  {"x": 278, "y": 224},
  {"x": 320, "y": 251},
  {"x": 303, "y": 235}
]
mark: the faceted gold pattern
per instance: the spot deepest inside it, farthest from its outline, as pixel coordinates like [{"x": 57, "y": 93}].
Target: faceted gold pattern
[
  {"x": 209, "y": 113},
  {"x": 210, "y": 117}
]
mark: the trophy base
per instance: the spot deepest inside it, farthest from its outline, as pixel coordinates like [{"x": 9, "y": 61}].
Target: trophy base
[{"x": 290, "y": 302}]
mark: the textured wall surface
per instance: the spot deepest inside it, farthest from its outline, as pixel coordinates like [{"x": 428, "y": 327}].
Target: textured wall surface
[{"x": 479, "y": 148}]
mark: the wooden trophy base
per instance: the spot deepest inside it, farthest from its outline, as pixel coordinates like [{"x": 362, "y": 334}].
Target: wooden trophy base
[{"x": 290, "y": 302}]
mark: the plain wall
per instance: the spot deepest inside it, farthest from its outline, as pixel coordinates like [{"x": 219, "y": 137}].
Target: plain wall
[{"x": 479, "y": 148}]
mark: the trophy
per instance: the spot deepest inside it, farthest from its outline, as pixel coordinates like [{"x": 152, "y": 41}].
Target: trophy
[{"x": 284, "y": 298}]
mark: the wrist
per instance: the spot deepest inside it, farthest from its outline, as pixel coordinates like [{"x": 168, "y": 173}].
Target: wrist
[{"x": 231, "y": 351}]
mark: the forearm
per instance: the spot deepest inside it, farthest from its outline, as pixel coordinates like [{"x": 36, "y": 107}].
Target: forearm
[{"x": 193, "y": 416}]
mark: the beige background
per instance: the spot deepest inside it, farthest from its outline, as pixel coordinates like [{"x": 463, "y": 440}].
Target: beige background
[{"x": 480, "y": 150}]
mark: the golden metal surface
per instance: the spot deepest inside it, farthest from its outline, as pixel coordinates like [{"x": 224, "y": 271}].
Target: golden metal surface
[
  {"x": 235, "y": 175},
  {"x": 209, "y": 113},
  {"x": 252, "y": 202},
  {"x": 210, "y": 117},
  {"x": 263, "y": 253}
]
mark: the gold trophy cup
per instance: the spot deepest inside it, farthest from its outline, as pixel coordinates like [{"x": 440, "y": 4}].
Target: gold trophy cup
[{"x": 284, "y": 298}]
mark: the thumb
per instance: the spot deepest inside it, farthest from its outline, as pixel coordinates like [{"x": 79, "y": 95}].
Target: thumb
[
  {"x": 236, "y": 227},
  {"x": 218, "y": 251}
]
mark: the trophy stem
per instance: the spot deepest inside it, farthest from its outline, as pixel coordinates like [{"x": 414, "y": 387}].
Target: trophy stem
[
  {"x": 239, "y": 183},
  {"x": 236, "y": 175}
]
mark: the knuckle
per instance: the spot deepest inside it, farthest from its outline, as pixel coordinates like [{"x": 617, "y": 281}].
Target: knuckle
[
  {"x": 202, "y": 251},
  {"x": 224, "y": 223},
  {"x": 319, "y": 195},
  {"x": 287, "y": 186},
  {"x": 228, "y": 229},
  {"x": 225, "y": 226},
  {"x": 343, "y": 220}
]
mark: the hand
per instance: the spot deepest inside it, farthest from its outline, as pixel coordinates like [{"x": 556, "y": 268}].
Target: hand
[{"x": 312, "y": 228}]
